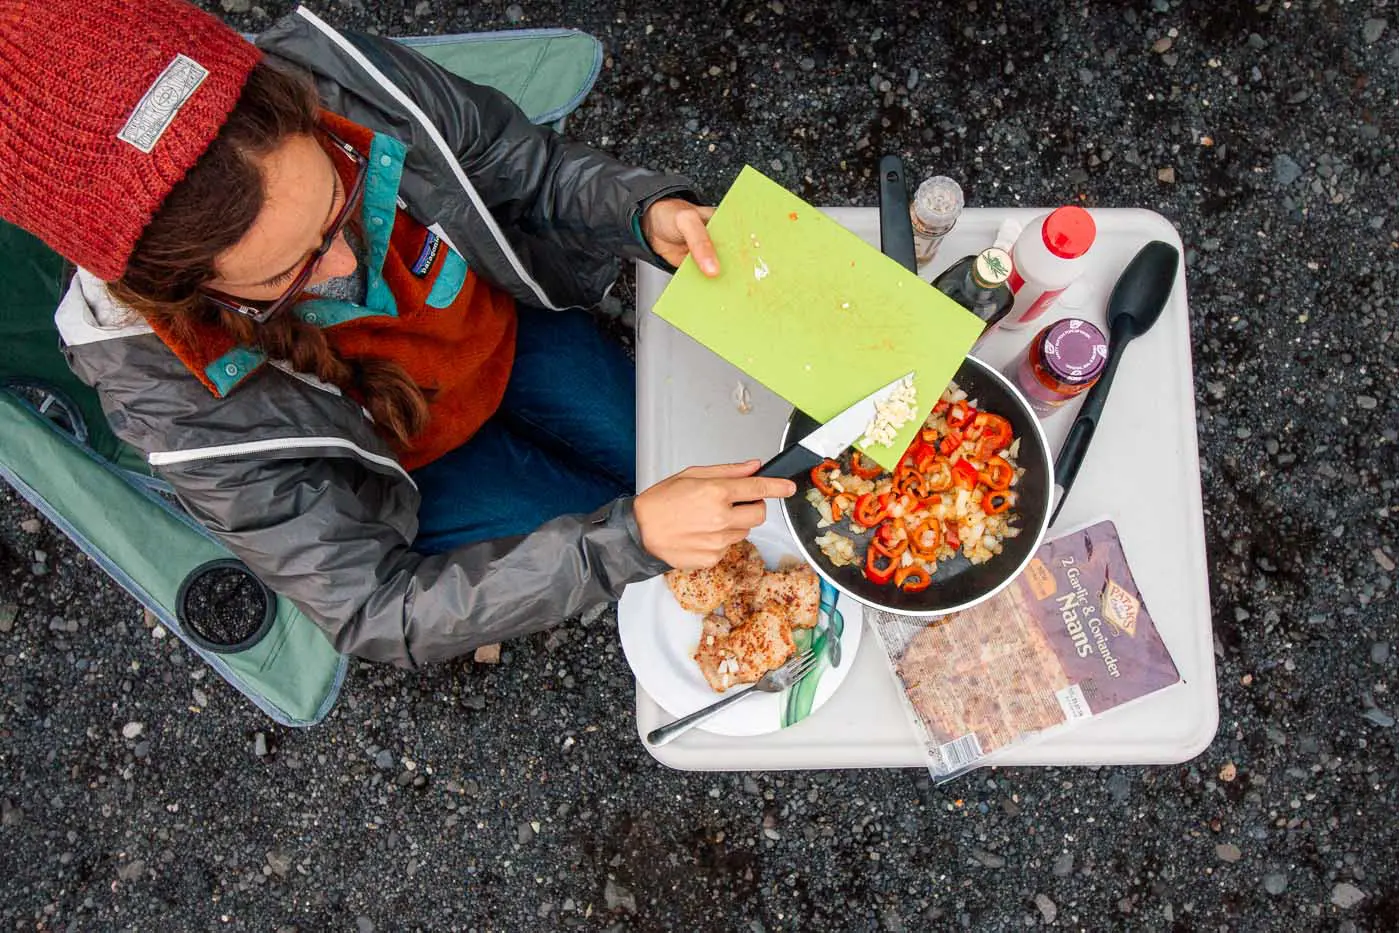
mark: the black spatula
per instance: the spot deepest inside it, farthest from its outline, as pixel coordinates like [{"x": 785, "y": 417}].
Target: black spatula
[{"x": 1136, "y": 303}]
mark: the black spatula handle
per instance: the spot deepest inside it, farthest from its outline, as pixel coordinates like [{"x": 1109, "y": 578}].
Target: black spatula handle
[
  {"x": 1139, "y": 296},
  {"x": 895, "y": 224}
]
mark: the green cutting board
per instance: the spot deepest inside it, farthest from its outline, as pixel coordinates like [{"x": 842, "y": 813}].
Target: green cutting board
[{"x": 813, "y": 312}]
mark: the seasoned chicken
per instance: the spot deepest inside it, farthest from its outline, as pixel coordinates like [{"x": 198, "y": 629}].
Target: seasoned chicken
[
  {"x": 703, "y": 591},
  {"x": 730, "y": 654},
  {"x": 795, "y": 595},
  {"x": 712, "y": 655}
]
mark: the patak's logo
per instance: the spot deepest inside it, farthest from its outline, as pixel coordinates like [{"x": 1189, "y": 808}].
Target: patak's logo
[{"x": 1120, "y": 609}]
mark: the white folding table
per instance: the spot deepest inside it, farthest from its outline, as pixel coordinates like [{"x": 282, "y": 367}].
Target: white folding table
[{"x": 1143, "y": 472}]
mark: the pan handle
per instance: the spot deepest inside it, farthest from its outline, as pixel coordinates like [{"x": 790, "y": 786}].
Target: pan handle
[{"x": 895, "y": 224}]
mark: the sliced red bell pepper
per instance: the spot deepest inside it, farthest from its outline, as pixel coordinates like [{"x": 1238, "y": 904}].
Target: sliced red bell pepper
[
  {"x": 965, "y": 475},
  {"x": 912, "y": 483},
  {"x": 925, "y": 540},
  {"x": 864, "y": 467},
  {"x": 821, "y": 477},
  {"x": 841, "y": 505},
  {"x": 992, "y": 434},
  {"x": 879, "y": 568},
  {"x": 941, "y": 406},
  {"x": 996, "y": 502},
  {"x": 922, "y": 449},
  {"x": 988, "y": 447},
  {"x": 891, "y": 540},
  {"x": 938, "y": 473},
  {"x": 907, "y": 475},
  {"x": 998, "y": 474},
  {"x": 915, "y": 453},
  {"x": 950, "y": 444},
  {"x": 870, "y": 509},
  {"x": 912, "y": 579},
  {"x": 960, "y": 415},
  {"x": 950, "y": 536}
]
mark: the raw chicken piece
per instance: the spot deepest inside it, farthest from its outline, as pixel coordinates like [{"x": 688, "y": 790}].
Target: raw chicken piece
[
  {"x": 730, "y": 654},
  {"x": 703, "y": 591}
]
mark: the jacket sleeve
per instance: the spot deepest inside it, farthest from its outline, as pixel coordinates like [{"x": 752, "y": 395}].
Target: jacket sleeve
[
  {"x": 306, "y": 528},
  {"x": 530, "y": 176}
]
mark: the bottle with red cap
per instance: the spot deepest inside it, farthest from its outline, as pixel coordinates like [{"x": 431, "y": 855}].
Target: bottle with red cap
[{"x": 1049, "y": 255}]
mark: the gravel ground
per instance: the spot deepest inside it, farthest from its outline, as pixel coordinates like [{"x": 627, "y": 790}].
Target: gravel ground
[{"x": 517, "y": 797}]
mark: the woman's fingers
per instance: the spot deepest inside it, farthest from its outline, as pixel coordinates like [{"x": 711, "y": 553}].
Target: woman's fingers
[
  {"x": 746, "y": 517},
  {"x": 721, "y": 470},
  {"x": 755, "y": 488},
  {"x": 691, "y": 224},
  {"x": 689, "y": 519}
]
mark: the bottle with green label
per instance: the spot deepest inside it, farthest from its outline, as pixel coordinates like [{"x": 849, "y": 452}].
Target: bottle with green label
[{"x": 979, "y": 284}]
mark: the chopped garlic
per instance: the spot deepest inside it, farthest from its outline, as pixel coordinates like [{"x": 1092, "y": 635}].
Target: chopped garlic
[{"x": 891, "y": 414}]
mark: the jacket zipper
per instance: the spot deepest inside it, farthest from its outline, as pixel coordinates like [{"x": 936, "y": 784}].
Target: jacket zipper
[{"x": 171, "y": 457}]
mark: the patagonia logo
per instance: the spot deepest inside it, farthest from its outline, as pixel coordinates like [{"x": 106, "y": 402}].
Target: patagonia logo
[
  {"x": 157, "y": 109},
  {"x": 431, "y": 245}
]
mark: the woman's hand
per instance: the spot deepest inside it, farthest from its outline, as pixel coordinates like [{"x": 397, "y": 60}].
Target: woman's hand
[
  {"x": 675, "y": 229},
  {"x": 690, "y": 519}
]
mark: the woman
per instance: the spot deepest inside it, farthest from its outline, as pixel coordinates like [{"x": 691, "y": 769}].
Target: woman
[{"x": 324, "y": 286}]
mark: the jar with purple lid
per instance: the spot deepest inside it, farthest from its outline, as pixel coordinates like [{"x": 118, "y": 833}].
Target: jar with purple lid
[{"x": 1063, "y": 360}]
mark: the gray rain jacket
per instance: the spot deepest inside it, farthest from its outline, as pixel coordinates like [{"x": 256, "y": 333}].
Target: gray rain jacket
[{"x": 291, "y": 476}]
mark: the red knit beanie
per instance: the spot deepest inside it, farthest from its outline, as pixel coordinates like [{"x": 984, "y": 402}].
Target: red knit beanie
[{"x": 103, "y": 109}]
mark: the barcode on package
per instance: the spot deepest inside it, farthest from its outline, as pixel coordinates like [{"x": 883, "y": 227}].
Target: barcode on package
[
  {"x": 961, "y": 752},
  {"x": 1074, "y": 703}
]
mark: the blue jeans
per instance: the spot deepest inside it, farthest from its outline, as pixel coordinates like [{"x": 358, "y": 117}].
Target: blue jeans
[{"x": 563, "y": 441}]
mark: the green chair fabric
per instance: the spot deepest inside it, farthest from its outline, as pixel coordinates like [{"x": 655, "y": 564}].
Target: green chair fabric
[
  {"x": 32, "y": 280},
  {"x": 99, "y": 491},
  {"x": 547, "y": 72},
  {"x": 292, "y": 673}
]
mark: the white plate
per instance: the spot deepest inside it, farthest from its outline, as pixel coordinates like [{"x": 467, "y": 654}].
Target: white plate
[{"x": 660, "y": 638}]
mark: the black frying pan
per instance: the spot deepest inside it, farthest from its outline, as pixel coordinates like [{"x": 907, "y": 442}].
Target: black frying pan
[{"x": 957, "y": 584}]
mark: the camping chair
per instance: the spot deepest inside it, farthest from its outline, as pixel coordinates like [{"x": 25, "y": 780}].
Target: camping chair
[{"x": 57, "y": 451}]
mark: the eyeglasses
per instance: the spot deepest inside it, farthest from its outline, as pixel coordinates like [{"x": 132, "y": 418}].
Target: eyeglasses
[{"x": 263, "y": 312}]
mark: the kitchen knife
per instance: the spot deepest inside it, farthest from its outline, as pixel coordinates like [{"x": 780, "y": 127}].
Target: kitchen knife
[{"x": 831, "y": 439}]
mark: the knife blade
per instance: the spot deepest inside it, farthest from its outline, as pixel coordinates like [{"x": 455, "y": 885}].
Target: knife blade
[{"x": 831, "y": 439}]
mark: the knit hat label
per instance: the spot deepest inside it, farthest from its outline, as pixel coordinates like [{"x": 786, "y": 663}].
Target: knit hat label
[{"x": 157, "y": 109}]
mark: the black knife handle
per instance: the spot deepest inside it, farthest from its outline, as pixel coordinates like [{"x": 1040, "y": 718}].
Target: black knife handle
[
  {"x": 895, "y": 224},
  {"x": 793, "y": 461}
]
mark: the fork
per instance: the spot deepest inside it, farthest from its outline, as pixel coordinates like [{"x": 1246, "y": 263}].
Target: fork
[{"x": 774, "y": 681}]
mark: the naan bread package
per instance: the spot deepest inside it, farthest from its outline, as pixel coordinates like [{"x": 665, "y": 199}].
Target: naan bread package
[{"x": 1068, "y": 640}]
